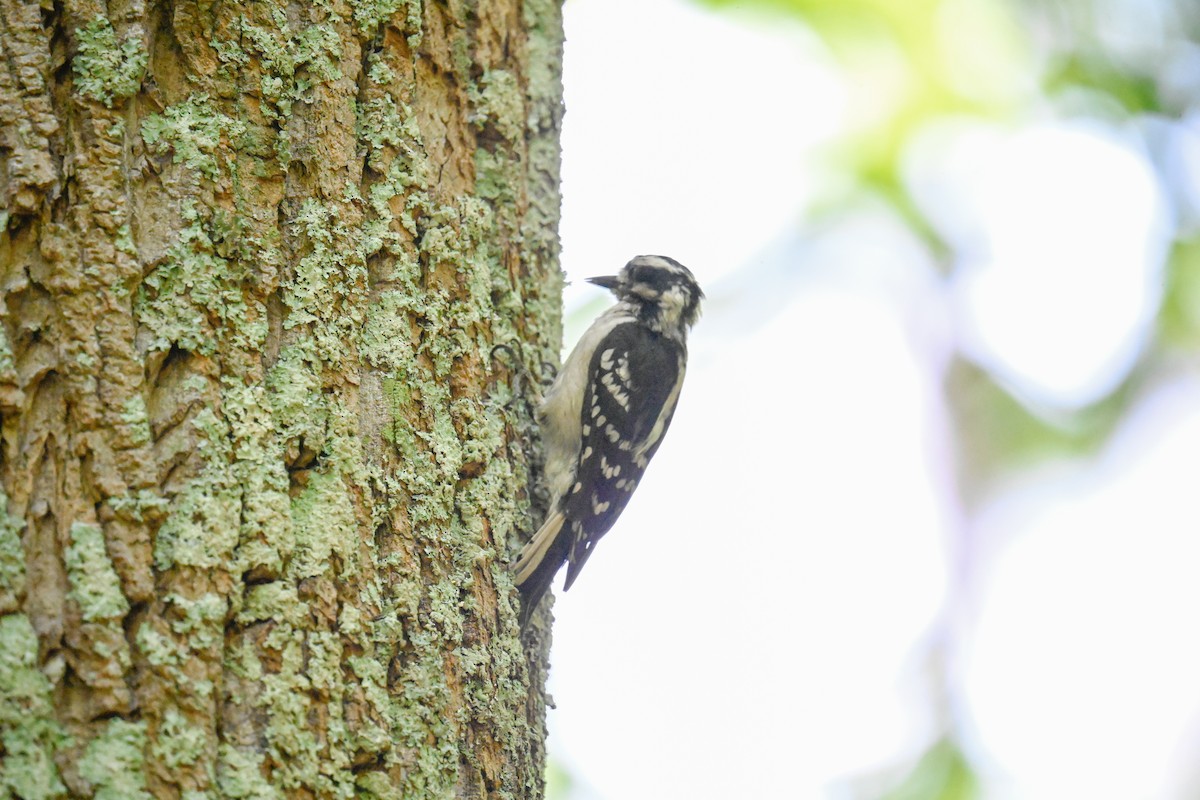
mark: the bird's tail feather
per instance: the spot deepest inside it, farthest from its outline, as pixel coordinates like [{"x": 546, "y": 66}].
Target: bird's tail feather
[
  {"x": 538, "y": 563},
  {"x": 534, "y": 551}
]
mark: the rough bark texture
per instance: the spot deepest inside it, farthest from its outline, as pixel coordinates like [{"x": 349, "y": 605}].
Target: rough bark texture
[{"x": 261, "y": 472}]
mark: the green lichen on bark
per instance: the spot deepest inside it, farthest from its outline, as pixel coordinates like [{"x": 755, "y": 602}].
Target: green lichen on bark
[
  {"x": 194, "y": 299},
  {"x": 12, "y": 559},
  {"x": 29, "y": 732},
  {"x": 107, "y": 70},
  {"x": 316, "y": 228},
  {"x": 240, "y": 775},
  {"x": 256, "y": 466},
  {"x": 202, "y": 528},
  {"x": 179, "y": 742},
  {"x": 327, "y": 292},
  {"x": 95, "y": 587},
  {"x": 133, "y": 414},
  {"x": 138, "y": 504},
  {"x": 112, "y": 762},
  {"x": 194, "y": 134},
  {"x": 8, "y": 373},
  {"x": 325, "y": 529}
]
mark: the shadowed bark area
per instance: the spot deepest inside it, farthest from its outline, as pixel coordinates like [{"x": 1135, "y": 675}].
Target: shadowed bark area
[{"x": 261, "y": 472}]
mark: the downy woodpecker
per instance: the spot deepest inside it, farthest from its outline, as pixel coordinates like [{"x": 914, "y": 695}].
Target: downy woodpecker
[{"x": 606, "y": 413}]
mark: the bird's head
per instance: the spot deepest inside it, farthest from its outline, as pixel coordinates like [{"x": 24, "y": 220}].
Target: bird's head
[{"x": 663, "y": 292}]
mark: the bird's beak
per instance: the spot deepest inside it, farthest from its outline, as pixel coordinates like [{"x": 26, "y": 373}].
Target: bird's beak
[{"x": 607, "y": 281}]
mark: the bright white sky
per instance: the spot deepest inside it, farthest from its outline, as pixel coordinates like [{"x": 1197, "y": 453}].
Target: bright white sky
[{"x": 761, "y": 621}]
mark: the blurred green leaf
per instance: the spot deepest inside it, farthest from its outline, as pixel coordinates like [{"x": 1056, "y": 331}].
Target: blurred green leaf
[
  {"x": 943, "y": 773},
  {"x": 998, "y": 433},
  {"x": 1135, "y": 93},
  {"x": 559, "y": 783},
  {"x": 1179, "y": 319}
]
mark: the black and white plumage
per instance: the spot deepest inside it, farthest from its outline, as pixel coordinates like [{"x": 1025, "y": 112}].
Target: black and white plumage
[{"x": 606, "y": 413}]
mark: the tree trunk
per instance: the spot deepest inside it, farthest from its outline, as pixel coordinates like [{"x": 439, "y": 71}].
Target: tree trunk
[{"x": 262, "y": 468}]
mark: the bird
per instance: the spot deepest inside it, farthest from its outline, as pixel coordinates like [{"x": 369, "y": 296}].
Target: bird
[{"x": 605, "y": 415}]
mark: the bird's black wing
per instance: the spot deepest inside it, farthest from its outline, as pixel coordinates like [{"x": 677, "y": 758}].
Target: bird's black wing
[{"x": 633, "y": 386}]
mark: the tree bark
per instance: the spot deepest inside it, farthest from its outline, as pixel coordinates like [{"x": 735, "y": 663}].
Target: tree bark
[{"x": 262, "y": 467}]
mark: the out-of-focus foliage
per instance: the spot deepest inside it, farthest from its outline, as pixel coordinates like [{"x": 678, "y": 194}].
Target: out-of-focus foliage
[
  {"x": 1140, "y": 53},
  {"x": 559, "y": 783},
  {"x": 1132, "y": 67},
  {"x": 909, "y": 62},
  {"x": 984, "y": 408},
  {"x": 941, "y": 774},
  {"x": 1133, "y": 64},
  {"x": 1179, "y": 319}
]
